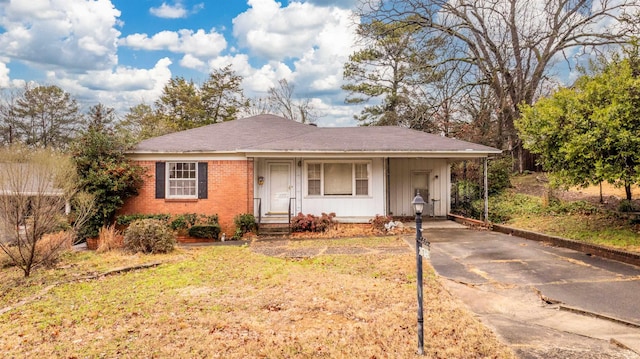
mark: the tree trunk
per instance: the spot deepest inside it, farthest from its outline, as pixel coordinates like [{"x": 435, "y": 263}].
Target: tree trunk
[
  {"x": 520, "y": 160},
  {"x": 601, "y": 199},
  {"x": 627, "y": 190}
]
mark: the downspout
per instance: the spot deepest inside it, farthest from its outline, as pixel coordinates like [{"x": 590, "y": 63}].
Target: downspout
[
  {"x": 388, "y": 187},
  {"x": 486, "y": 192},
  {"x": 250, "y": 186}
]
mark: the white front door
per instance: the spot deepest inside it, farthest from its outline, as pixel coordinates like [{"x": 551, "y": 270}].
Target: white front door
[{"x": 279, "y": 187}]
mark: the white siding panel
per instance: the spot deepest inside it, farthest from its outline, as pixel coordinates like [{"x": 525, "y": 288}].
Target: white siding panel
[{"x": 401, "y": 190}]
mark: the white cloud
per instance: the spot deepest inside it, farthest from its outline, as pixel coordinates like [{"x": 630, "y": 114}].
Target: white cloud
[
  {"x": 4, "y": 76},
  {"x": 305, "y": 44},
  {"x": 314, "y": 41},
  {"x": 73, "y": 34},
  {"x": 166, "y": 11},
  {"x": 5, "y": 79},
  {"x": 121, "y": 88},
  {"x": 198, "y": 44},
  {"x": 270, "y": 31},
  {"x": 191, "y": 62},
  {"x": 76, "y": 42},
  {"x": 176, "y": 11}
]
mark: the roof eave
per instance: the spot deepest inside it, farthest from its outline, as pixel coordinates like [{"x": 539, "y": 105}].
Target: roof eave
[
  {"x": 397, "y": 154},
  {"x": 469, "y": 153}
]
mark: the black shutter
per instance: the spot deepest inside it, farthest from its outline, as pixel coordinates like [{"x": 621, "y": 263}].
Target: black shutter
[
  {"x": 202, "y": 180},
  {"x": 160, "y": 181}
]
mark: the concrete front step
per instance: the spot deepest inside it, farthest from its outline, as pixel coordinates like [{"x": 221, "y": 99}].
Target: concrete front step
[{"x": 274, "y": 229}]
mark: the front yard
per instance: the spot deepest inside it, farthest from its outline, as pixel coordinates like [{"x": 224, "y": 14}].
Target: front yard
[{"x": 344, "y": 298}]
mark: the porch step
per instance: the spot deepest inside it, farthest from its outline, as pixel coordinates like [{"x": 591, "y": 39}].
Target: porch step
[{"x": 273, "y": 229}]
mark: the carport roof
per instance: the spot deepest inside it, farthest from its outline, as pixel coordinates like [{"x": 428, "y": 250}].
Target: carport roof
[{"x": 264, "y": 134}]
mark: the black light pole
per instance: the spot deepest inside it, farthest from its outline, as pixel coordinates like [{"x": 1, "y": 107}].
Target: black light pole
[{"x": 418, "y": 205}]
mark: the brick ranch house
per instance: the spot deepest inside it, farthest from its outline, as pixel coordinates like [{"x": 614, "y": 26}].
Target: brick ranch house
[{"x": 272, "y": 167}]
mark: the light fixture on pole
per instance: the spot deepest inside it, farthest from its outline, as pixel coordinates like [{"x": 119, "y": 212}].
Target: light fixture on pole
[{"x": 418, "y": 205}]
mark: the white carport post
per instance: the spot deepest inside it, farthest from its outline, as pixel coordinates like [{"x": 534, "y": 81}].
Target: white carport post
[{"x": 486, "y": 192}]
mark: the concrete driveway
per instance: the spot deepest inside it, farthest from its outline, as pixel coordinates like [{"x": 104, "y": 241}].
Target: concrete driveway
[{"x": 545, "y": 302}]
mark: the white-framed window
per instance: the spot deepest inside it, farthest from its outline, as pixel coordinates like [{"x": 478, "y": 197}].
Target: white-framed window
[
  {"x": 182, "y": 180},
  {"x": 314, "y": 179},
  {"x": 338, "y": 178},
  {"x": 362, "y": 179}
]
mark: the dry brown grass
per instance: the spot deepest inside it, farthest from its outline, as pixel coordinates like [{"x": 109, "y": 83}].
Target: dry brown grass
[
  {"x": 608, "y": 190},
  {"x": 231, "y": 302},
  {"x": 109, "y": 238},
  {"x": 50, "y": 246},
  {"x": 536, "y": 184}
]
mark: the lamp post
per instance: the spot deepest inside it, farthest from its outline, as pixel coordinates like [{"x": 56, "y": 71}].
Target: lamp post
[{"x": 418, "y": 205}]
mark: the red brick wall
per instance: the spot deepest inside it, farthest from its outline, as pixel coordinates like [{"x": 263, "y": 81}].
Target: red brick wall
[{"x": 230, "y": 192}]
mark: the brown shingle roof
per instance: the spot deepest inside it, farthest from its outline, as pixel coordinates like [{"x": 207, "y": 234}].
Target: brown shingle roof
[{"x": 269, "y": 133}]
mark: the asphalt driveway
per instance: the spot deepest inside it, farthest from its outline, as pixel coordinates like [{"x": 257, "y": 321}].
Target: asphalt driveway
[{"x": 546, "y": 302}]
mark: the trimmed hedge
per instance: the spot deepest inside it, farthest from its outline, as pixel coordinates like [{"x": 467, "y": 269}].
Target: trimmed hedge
[
  {"x": 127, "y": 219},
  {"x": 209, "y": 231}
]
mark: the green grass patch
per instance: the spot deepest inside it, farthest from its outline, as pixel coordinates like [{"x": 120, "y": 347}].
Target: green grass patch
[{"x": 578, "y": 220}]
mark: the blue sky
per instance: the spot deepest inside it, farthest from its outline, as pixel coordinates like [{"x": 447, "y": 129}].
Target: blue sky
[{"x": 122, "y": 52}]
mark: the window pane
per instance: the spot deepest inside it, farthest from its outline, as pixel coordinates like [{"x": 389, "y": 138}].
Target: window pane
[
  {"x": 361, "y": 171},
  {"x": 362, "y": 179},
  {"x": 313, "y": 171},
  {"x": 313, "y": 179},
  {"x": 314, "y": 187},
  {"x": 362, "y": 187},
  {"x": 182, "y": 179},
  {"x": 338, "y": 179}
]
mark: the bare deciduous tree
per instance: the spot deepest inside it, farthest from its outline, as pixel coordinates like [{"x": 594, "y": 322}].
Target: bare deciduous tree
[
  {"x": 513, "y": 43},
  {"x": 282, "y": 101},
  {"x": 35, "y": 188}
]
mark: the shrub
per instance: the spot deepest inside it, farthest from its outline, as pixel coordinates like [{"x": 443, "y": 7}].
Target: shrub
[
  {"x": 105, "y": 172},
  {"x": 209, "y": 231},
  {"x": 627, "y": 206},
  {"x": 503, "y": 207},
  {"x": 109, "y": 239},
  {"x": 245, "y": 223},
  {"x": 212, "y": 219},
  {"x": 126, "y": 219},
  {"x": 149, "y": 236},
  {"x": 499, "y": 175},
  {"x": 311, "y": 223},
  {"x": 574, "y": 207},
  {"x": 183, "y": 221}
]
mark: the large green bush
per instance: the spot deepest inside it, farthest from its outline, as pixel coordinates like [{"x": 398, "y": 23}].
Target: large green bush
[
  {"x": 105, "y": 172},
  {"x": 149, "y": 236}
]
